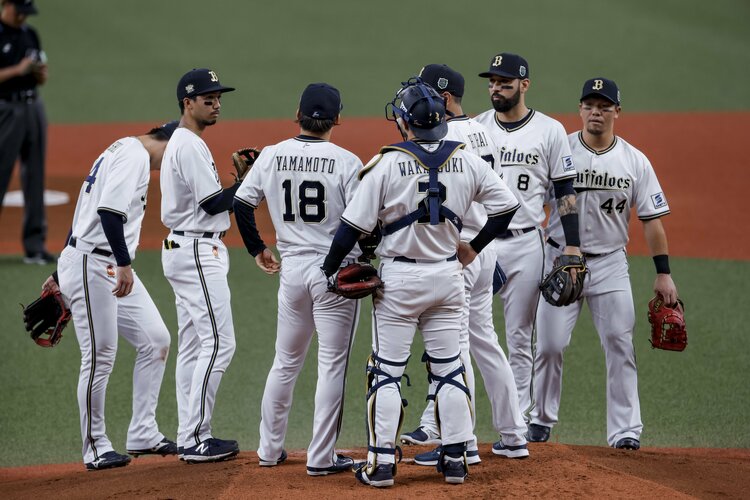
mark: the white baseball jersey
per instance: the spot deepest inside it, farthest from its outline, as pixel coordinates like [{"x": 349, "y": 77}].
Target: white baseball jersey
[
  {"x": 400, "y": 183},
  {"x": 478, "y": 141},
  {"x": 307, "y": 183},
  {"x": 118, "y": 183},
  {"x": 188, "y": 178},
  {"x": 609, "y": 183},
  {"x": 532, "y": 155}
]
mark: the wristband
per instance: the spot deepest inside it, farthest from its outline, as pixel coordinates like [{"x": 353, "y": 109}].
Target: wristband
[{"x": 662, "y": 264}]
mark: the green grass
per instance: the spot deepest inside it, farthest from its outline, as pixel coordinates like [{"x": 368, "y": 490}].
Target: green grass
[
  {"x": 120, "y": 61},
  {"x": 694, "y": 398}
]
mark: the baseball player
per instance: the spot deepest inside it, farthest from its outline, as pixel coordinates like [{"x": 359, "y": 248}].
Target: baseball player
[
  {"x": 534, "y": 156},
  {"x": 107, "y": 297},
  {"x": 195, "y": 208},
  {"x": 420, "y": 190},
  {"x": 477, "y": 329},
  {"x": 612, "y": 177},
  {"x": 306, "y": 181}
]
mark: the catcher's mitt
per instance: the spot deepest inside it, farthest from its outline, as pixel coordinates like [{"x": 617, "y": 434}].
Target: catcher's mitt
[
  {"x": 668, "y": 329},
  {"x": 559, "y": 288},
  {"x": 355, "y": 281},
  {"x": 46, "y": 318},
  {"x": 243, "y": 160}
]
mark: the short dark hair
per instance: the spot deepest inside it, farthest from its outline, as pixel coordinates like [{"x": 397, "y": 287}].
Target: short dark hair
[
  {"x": 315, "y": 125},
  {"x": 181, "y": 103},
  {"x": 158, "y": 134},
  {"x": 456, "y": 99}
]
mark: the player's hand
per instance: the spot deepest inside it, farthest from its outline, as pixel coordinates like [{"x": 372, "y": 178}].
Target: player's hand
[
  {"x": 267, "y": 261},
  {"x": 665, "y": 286},
  {"x": 50, "y": 285},
  {"x": 124, "y": 281},
  {"x": 40, "y": 73},
  {"x": 569, "y": 250},
  {"x": 466, "y": 253},
  {"x": 25, "y": 66}
]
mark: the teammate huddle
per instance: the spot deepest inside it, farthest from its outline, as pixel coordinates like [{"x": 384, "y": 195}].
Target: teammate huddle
[{"x": 456, "y": 212}]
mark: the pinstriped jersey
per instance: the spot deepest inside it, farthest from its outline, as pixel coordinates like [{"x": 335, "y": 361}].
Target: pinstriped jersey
[
  {"x": 608, "y": 184},
  {"x": 118, "y": 183},
  {"x": 188, "y": 178},
  {"x": 394, "y": 184},
  {"x": 306, "y": 183},
  {"x": 532, "y": 155},
  {"x": 478, "y": 141}
]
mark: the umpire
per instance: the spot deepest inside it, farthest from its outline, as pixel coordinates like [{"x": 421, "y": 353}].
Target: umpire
[{"x": 23, "y": 125}]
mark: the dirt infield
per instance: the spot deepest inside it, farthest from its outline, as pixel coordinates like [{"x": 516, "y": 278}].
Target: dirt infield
[{"x": 552, "y": 471}]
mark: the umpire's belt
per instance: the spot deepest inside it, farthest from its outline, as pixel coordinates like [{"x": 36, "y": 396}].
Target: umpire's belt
[
  {"x": 91, "y": 249},
  {"x": 401, "y": 258},
  {"x": 514, "y": 232},
  {"x": 19, "y": 96},
  {"x": 192, "y": 234},
  {"x": 555, "y": 244}
]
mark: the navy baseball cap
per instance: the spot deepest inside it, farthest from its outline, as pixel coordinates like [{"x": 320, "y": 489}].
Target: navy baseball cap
[
  {"x": 199, "y": 81},
  {"x": 602, "y": 87},
  {"x": 507, "y": 65},
  {"x": 320, "y": 101},
  {"x": 443, "y": 79},
  {"x": 25, "y": 7}
]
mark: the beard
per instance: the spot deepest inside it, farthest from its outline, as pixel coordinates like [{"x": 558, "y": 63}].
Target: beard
[
  {"x": 505, "y": 104},
  {"x": 207, "y": 123}
]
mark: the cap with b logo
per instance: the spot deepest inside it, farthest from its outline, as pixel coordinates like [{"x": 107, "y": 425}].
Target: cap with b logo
[
  {"x": 601, "y": 87},
  {"x": 443, "y": 79},
  {"x": 320, "y": 101},
  {"x": 199, "y": 81},
  {"x": 507, "y": 65}
]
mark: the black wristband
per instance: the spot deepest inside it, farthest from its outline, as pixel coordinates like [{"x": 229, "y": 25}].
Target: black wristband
[
  {"x": 662, "y": 264},
  {"x": 54, "y": 277},
  {"x": 570, "y": 228}
]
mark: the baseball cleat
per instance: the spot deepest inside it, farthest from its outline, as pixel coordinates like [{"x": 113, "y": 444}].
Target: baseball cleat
[
  {"x": 538, "y": 433},
  {"x": 181, "y": 453},
  {"x": 454, "y": 470},
  {"x": 211, "y": 450},
  {"x": 342, "y": 464},
  {"x": 271, "y": 463},
  {"x": 520, "y": 451},
  {"x": 421, "y": 436},
  {"x": 431, "y": 457},
  {"x": 108, "y": 460},
  {"x": 381, "y": 477},
  {"x": 628, "y": 443},
  {"x": 164, "y": 447}
]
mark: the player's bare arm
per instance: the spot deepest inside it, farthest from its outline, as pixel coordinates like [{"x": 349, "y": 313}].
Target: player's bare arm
[
  {"x": 656, "y": 238},
  {"x": 50, "y": 285}
]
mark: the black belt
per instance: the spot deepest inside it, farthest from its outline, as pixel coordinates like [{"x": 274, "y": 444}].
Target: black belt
[
  {"x": 19, "y": 96},
  {"x": 204, "y": 235},
  {"x": 514, "y": 232},
  {"x": 97, "y": 251},
  {"x": 555, "y": 244},
  {"x": 401, "y": 258}
]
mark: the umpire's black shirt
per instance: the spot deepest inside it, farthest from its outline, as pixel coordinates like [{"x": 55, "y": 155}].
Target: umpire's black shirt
[{"x": 15, "y": 44}]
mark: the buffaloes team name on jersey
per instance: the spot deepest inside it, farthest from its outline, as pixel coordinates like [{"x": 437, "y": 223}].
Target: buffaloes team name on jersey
[
  {"x": 515, "y": 157},
  {"x": 413, "y": 168},
  {"x": 305, "y": 164},
  {"x": 591, "y": 179}
]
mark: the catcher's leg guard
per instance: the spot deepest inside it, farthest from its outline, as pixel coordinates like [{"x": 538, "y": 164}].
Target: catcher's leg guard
[
  {"x": 455, "y": 422},
  {"x": 383, "y": 401}
]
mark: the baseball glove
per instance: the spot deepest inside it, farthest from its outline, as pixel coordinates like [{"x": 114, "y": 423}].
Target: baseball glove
[
  {"x": 46, "y": 318},
  {"x": 243, "y": 160},
  {"x": 668, "y": 329},
  {"x": 559, "y": 288},
  {"x": 355, "y": 281}
]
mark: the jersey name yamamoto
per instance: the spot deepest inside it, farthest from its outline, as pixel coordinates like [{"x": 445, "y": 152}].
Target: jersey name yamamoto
[
  {"x": 532, "y": 155},
  {"x": 188, "y": 178},
  {"x": 478, "y": 141},
  {"x": 608, "y": 184},
  {"x": 118, "y": 183},
  {"x": 393, "y": 185},
  {"x": 306, "y": 183}
]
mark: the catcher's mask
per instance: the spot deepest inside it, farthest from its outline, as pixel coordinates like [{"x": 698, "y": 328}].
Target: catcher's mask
[{"x": 421, "y": 107}]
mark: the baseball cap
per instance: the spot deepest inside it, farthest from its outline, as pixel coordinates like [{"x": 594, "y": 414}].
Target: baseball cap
[
  {"x": 443, "y": 79},
  {"x": 507, "y": 65},
  {"x": 320, "y": 101},
  {"x": 602, "y": 87},
  {"x": 26, "y": 7},
  {"x": 199, "y": 81},
  {"x": 424, "y": 109}
]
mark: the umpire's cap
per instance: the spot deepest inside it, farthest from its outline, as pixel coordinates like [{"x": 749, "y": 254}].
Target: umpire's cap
[
  {"x": 601, "y": 87},
  {"x": 507, "y": 65},
  {"x": 443, "y": 79},
  {"x": 199, "y": 81},
  {"x": 24, "y": 7},
  {"x": 421, "y": 107}
]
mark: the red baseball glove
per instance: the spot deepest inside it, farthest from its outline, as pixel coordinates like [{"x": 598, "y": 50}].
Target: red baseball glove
[
  {"x": 668, "y": 329},
  {"x": 355, "y": 281},
  {"x": 46, "y": 318}
]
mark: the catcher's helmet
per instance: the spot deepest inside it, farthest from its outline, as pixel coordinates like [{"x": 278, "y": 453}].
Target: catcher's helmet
[{"x": 421, "y": 107}]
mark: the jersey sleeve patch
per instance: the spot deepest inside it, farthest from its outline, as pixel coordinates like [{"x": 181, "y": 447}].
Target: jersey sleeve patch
[
  {"x": 567, "y": 164},
  {"x": 658, "y": 200}
]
